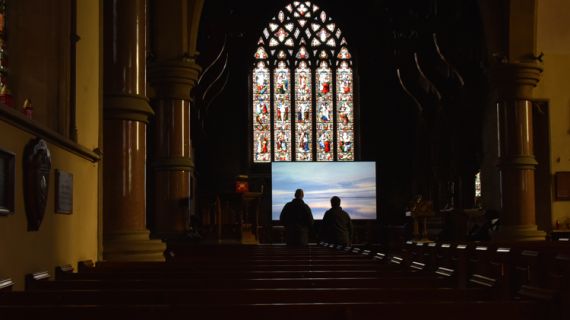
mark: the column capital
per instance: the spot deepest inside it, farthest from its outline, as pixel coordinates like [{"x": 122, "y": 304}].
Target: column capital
[
  {"x": 126, "y": 106},
  {"x": 515, "y": 80},
  {"x": 174, "y": 79}
]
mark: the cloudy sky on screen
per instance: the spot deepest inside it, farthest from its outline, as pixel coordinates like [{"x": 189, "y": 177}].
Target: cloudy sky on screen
[{"x": 353, "y": 182}]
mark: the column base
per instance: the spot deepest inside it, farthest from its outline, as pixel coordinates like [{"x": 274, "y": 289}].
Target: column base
[
  {"x": 132, "y": 246},
  {"x": 519, "y": 233}
]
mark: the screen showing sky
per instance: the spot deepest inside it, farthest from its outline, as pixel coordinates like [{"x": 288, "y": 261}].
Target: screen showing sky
[{"x": 353, "y": 182}]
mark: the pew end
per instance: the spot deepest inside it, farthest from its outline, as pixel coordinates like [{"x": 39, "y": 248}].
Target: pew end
[
  {"x": 61, "y": 271},
  {"x": 32, "y": 279},
  {"x": 85, "y": 265},
  {"x": 6, "y": 285}
]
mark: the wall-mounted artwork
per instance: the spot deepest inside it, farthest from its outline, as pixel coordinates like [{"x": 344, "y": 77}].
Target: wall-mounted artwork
[
  {"x": 37, "y": 165},
  {"x": 6, "y": 182}
]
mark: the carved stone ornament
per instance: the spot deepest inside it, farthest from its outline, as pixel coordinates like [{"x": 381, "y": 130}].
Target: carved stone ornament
[{"x": 37, "y": 166}]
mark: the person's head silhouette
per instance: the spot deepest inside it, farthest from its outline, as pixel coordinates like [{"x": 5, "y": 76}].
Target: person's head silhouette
[
  {"x": 335, "y": 202},
  {"x": 299, "y": 194}
]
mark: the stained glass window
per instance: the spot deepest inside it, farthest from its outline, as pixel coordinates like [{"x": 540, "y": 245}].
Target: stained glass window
[
  {"x": 5, "y": 95},
  {"x": 344, "y": 113},
  {"x": 478, "y": 184},
  {"x": 303, "y": 89},
  {"x": 324, "y": 113},
  {"x": 478, "y": 194},
  {"x": 303, "y": 114},
  {"x": 261, "y": 121}
]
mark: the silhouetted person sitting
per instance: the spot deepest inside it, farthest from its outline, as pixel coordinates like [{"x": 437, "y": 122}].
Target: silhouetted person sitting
[
  {"x": 336, "y": 226},
  {"x": 297, "y": 218}
]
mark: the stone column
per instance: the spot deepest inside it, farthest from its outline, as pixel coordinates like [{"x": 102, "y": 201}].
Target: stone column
[
  {"x": 126, "y": 111},
  {"x": 515, "y": 82},
  {"x": 172, "y": 75}
]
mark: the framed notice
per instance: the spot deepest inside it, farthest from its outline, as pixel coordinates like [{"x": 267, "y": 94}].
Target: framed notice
[
  {"x": 562, "y": 185},
  {"x": 7, "y": 170},
  {"x": 63, "y": 192}
]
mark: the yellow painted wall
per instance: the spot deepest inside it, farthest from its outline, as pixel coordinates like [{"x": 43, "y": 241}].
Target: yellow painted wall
[
  {"x": 554, "y": 41},
  {"x": 89, "y": 74},
  {"x": 62, "y": 239}
]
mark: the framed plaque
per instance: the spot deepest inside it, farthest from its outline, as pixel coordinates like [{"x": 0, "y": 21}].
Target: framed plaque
[
  {"x": 7, "y": 170},
  {"x": 63, "y": 192},
  {"x": 562, "y": 185}
]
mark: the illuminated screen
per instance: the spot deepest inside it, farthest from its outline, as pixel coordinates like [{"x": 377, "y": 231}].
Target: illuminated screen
[{"x": 353, "y": 182}]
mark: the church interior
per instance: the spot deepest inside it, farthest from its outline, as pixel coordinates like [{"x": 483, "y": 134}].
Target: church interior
[{"x": 148, "y": 177}]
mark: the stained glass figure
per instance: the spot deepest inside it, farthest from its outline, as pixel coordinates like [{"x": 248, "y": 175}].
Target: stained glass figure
[
  {"x": 324, "y": 142},
  {"x": 304, "y": 50},
  {"x": 345, "y": 140},
  {"x": 282, "y": 113},
  {"x": 6, "y": 97}
]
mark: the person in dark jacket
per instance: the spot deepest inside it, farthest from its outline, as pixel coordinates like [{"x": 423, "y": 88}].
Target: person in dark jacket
[
  {"x": 297, "y": 218},
  {"x": 336, "y": 226}
]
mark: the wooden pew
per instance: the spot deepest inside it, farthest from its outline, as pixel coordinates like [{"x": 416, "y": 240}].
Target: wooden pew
[
  {"x": 355, "y": 282},
  {"x": 521, "y": 310},
  {"x": 241, "y": 296},
  {"x": 284, "y": 283},
  {"x": 233, "y": 274}
]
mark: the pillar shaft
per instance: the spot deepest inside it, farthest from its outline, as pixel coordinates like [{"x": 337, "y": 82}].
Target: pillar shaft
[
  {"x": 126, "y": 113},
  {"x": 172, "y": 76},
  {"x": 124, "y": 176},
  {"x": 173, "y": 166},
  {"x": 516, "y": 159}
]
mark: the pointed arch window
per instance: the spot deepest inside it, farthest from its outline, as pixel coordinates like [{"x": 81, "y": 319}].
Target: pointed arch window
[{"x": 302, "y": 89}]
